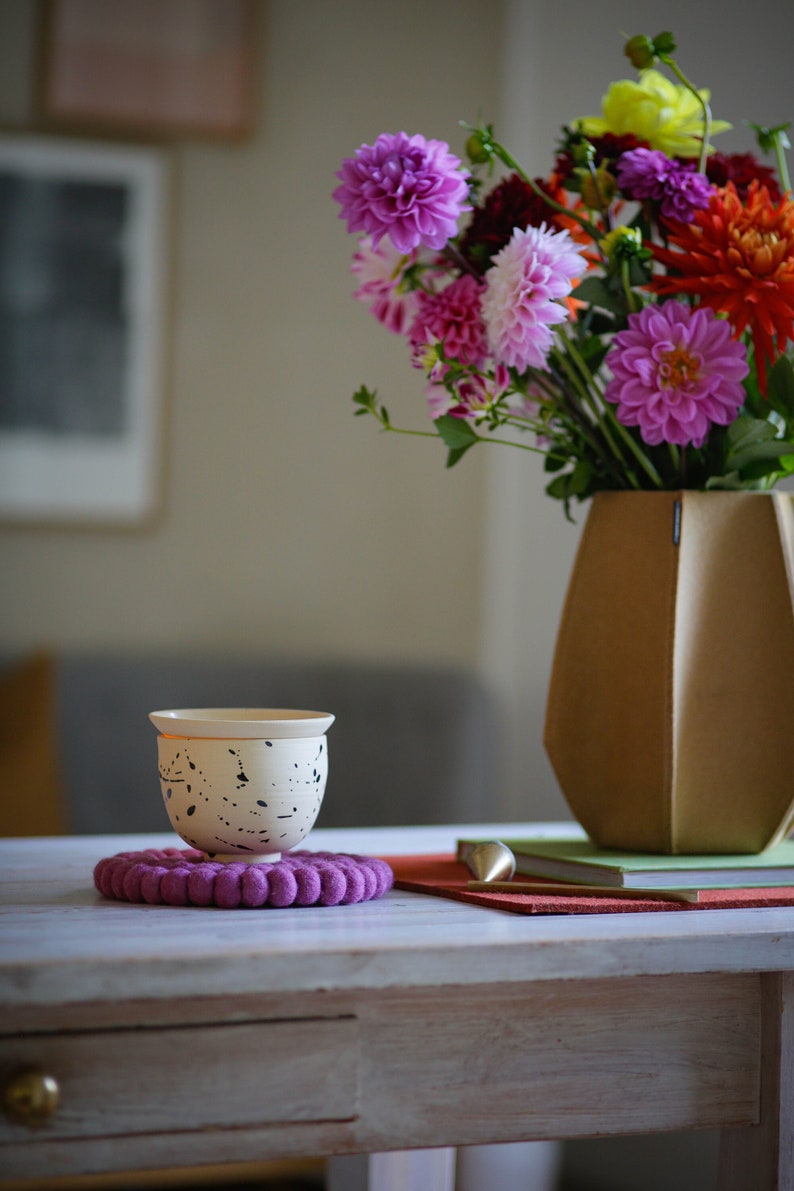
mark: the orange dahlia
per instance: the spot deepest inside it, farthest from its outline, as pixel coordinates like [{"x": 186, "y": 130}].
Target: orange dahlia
[{"x": 738, "y": 259}]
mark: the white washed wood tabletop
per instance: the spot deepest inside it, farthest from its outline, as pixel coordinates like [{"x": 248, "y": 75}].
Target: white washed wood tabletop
[{"x": 60, "y": 941}]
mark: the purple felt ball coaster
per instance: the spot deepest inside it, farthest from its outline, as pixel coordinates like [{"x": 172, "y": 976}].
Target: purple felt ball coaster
[{"x": 182, "y": 877}]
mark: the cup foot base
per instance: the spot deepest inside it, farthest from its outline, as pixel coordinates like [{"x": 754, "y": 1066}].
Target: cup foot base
[{"x": 240, "y": 858}]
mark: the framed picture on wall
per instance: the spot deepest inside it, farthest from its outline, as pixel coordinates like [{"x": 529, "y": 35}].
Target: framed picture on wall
[
  {"x": 83, "y": 305},
  {"x": 157, "y": 67}
]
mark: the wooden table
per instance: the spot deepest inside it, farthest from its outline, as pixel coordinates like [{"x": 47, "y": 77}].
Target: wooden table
[{"x": 187, "y": 1036}]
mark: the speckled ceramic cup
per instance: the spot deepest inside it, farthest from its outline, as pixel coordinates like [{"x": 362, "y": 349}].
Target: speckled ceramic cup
[{"x": 242, "y": 784}]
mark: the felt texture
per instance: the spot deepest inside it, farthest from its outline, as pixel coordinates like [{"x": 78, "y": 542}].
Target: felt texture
[
  {"x": 668, "y": 726},
  {"x": 182, "y": 877},
  {"x": 445, "y": 876}
]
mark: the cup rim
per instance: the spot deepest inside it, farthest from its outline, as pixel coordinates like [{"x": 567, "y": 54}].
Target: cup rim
[{"x": 242, "y": 723}]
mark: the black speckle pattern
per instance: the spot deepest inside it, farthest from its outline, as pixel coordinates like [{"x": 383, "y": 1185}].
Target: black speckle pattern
[{"x": 223, "y": 797}]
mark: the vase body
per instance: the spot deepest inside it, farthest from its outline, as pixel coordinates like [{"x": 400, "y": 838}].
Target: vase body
[{"x": 670, "y": 716}]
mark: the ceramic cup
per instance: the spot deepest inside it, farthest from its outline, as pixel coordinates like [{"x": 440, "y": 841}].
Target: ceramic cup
[{"x": 242, "y": 784}]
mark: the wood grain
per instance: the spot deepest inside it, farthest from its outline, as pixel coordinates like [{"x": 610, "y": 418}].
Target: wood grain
[{"x": 193, "y": 1036}]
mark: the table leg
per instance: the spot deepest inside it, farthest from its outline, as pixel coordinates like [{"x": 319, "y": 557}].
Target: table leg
[
  {"x": 762, "y": 1156},
  {"x": 403, "y": 1170},
  {"x": 522, "y": 1164}
]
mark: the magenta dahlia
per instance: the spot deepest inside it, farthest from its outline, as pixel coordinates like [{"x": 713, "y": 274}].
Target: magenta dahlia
[
  {"x": 521, "y": 303},
  {"x": 675, "y": 185},
  {"x": 405, "y": 187},
  {"x": 675, "y": 373}
]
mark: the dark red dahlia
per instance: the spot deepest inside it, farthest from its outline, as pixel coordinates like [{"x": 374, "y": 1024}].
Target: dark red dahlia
[
  {"x": 741, "y": 169},
  {"x": 510, "y": 205}
]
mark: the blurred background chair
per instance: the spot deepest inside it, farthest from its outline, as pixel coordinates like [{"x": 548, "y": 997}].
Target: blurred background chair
[{"x": 410, "y": 745}]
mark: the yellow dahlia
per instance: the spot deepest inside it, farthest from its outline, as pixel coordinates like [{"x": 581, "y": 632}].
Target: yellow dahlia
[
  {"x": 738, "y": 259},
  {"x": 653, "y": 109}
]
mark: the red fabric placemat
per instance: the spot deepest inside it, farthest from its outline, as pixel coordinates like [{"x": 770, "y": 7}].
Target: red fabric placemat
[{"x": 445, "y": 876}]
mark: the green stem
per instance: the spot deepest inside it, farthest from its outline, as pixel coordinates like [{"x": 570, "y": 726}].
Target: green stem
[
  {"x": 608, "y": 422},
  {"x": 502, "y": 442},
  {"x": 679, "y": 74},
  {"x": 782, "y": 165},
  {"x": 602, "y": 206},
  {"x": 511, "y": 163},
  {"x": 587, "y": 399},
  {"x": 459, "y": 261},
  {"x": 636, "y": 451},
  {"x": 633, "y": 303},
  {"x": 679, "y": 461}
]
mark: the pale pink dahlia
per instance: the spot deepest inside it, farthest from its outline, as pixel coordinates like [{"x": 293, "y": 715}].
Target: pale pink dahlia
[
  {"x": 675, "y": 373},
  {"x": 521, "y": 303},
  {"x": 470, "y": 396},
  {"x": 452, "y": 317},
  {"x": 381, "y": 273},
  {"x": 406, "y": 187}
]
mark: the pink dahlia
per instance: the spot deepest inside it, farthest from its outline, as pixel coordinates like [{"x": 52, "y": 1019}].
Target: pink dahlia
[
  {"x": 452, "y": 317},
  {"x": 675, "y": 373},
  {"x": 381, "y": 273},
  {"x": 521, "y": 303},
  {"x": 405, "y": 187}
]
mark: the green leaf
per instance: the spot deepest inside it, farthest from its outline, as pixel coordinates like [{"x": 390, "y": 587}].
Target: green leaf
[
  {"x": 572, "y": 483},
  {"x": 780, "y": 388},
  {"x": 553, "y": 463},
  {"x": 366, "y": 398},
  {"x": 594, "y": 291},
  {"x": 759, "y": 453},
  {"x": 580, "y": 478},
  {"x": 558, "y": 488},
  {"x": 456, "y": 433},
  {"x": 639, "y": 272},
  {"x": 456, "y": 454},
  {"x": 732, "y": 482},
  {"x": 746, "y": 432}
]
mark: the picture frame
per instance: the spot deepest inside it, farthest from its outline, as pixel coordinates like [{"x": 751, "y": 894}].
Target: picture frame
[
  {"x": 185, "y": 68},
  {"x": 83, "y": 308}
]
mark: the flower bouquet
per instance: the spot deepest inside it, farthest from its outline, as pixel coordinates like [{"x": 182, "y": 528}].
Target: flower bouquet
[{"x": 630, "y": 316}]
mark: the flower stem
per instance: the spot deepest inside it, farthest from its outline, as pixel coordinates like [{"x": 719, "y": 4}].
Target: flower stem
[
  {"x": 782, "y": 165},
  {"x": 679, "y": 74},
  {"x": 633, "y": 302},
  {"x": 502, "y": 442},
  {"x": 605, "y": 416},
  {"x": 566, "y": 361},
  {"x": 507, "y": 159}
]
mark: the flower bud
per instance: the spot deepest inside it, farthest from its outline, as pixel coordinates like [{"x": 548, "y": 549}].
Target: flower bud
[
  {"x": 598, "y": 190},
  {"x": 640, "y": 51},
  {"x": 583, "y": 152},
  {"x": 477, "y": 151},
  {"x": 664, "y": 43},
  {"x": 621, "y": 244}
]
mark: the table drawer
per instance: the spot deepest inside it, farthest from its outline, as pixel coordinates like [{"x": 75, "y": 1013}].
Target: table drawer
[{"x": 122, "y": 1082}]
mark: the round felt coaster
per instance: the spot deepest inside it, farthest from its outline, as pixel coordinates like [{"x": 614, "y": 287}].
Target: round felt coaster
[{"x": 182, "y": 877}]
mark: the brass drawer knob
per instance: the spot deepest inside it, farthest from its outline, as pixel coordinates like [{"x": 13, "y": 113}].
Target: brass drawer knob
[{"x": 31, "y": 1097}]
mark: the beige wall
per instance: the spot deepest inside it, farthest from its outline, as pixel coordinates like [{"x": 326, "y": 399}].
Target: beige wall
[{"x": 288, "y": 525}]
